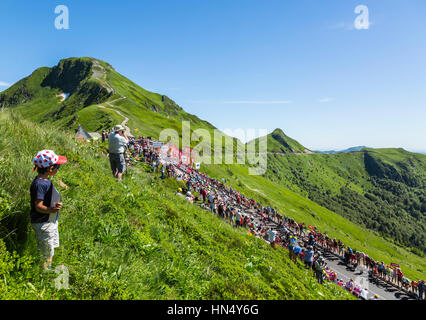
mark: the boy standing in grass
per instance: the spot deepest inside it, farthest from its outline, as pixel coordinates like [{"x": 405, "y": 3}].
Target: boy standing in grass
[{"x": 45, "y": 204}]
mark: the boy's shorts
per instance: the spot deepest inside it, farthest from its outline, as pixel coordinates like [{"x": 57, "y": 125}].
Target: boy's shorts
[{"x": 47, "y": 236}]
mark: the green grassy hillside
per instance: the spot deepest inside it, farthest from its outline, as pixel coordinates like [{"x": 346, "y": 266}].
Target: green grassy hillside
[
  {"x": 130, "y": 240},
  {"x": 380, "y": 189}
]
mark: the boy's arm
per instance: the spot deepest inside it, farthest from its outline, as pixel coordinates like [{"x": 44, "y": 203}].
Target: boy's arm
[{"x": 40, "y": 208}]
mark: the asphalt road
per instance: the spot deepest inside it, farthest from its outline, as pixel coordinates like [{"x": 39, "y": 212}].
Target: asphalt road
[{"x": 359, "y": 275}]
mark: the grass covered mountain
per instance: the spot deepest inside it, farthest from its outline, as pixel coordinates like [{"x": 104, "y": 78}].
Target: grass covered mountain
[
  {"x": 97, "y": 91},
  {"x": 380, "y": 189}
]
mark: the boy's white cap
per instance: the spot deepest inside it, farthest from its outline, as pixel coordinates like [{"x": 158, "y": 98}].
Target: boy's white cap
[{"x": 47, "y": 158}]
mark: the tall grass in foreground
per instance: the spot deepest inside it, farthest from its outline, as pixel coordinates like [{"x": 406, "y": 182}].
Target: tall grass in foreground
[{"x": 131, "y": 240}]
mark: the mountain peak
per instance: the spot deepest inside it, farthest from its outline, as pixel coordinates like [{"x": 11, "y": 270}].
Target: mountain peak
[
  {"x": 96, "y": 94},
  {"x": 280, "y": 143},
  {"x": 278, "y": 131}
]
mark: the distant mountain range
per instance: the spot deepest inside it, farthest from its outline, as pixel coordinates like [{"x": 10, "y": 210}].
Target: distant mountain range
[
  {"x": 417, "y": 151},
  {"x": 346, "y": 150},
  {"x": 354, "y": 149}
]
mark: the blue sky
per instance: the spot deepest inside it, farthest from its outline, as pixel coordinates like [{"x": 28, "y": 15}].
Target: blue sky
[{"x": 296, "y": 65}]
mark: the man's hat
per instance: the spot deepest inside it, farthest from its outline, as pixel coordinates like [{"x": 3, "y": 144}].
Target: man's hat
[
  {"x": 47, "y": 158},
  {"x": 118, "y": 127}
]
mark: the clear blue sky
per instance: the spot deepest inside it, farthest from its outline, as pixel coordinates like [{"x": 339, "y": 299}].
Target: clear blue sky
[{"x": 296, "y": 65}]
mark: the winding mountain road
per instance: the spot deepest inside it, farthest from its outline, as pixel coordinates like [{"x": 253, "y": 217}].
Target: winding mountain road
[
  {"x": 360, "y": 275},
  {"x": 99, "y": 73},
  {"x": 119, "y": 113}
]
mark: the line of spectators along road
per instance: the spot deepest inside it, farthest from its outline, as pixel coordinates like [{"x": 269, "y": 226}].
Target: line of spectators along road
[{"x": 240, "y": 211}]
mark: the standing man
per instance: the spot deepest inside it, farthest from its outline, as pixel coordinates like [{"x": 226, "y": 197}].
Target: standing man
[
  {"x": 204, "y": 194},
  {"x": 318, "y": 268},
  {"x": 211, "y": 201},
  {"x": 309, "y": 257},
  {"x": 117, "y": 143},
  {"x": 421, "y": 287}
]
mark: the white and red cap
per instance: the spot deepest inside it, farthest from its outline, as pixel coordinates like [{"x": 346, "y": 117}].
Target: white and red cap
[{"x": 47, "y": 158}]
